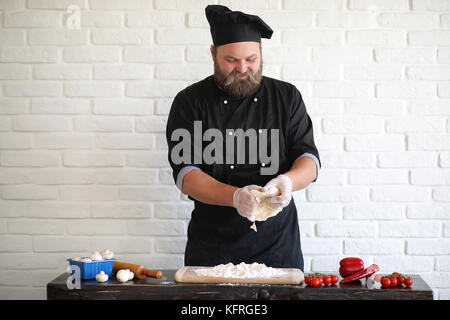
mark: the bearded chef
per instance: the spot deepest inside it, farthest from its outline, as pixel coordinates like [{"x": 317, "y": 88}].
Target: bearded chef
[{"x": 237, "y": 97}]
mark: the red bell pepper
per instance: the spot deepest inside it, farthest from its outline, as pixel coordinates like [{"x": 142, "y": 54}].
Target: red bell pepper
[
  {"x": 370, "y": 270},
  {"x": 349, "y": 266}
]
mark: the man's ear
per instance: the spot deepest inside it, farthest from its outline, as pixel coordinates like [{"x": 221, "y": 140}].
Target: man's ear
[{"x": 212, "y": 52}]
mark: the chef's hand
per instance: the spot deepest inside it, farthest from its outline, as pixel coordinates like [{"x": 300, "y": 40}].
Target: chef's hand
[
  {"x": 245, "y": 202},
  {"x": 284, "y": 184}
]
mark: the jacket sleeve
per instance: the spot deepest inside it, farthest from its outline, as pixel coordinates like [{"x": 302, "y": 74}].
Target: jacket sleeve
[
  {"x": 180, "y": 138},
  {"x": 300, "y": 133}
]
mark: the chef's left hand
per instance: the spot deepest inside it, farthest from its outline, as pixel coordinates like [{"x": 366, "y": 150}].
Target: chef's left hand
[
  {"x": 245, "y": 202},
  {"x": 284, "y": 184}
]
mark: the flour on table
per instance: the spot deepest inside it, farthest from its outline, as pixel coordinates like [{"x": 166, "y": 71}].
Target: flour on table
[{"x": 242, "y": 270}]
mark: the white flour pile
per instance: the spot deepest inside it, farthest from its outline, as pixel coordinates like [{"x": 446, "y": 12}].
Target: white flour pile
[{"x": 242, "y": 270}]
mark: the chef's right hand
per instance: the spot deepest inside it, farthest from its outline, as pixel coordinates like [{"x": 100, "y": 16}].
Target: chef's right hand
[{"x": 245, "y": 202}]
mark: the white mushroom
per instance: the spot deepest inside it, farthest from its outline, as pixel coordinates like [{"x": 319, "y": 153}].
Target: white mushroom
[
  {"x": 107, "y": 254},
  {"x": 96, "y": 256},
  {"x": 124, "y": 275},
  {"x": 101, "y": 277}
]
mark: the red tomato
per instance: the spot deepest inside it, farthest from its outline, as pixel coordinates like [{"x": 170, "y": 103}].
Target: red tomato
[
  {"x": 326, "y": 280},
  {"x": 334, "y": 279},
  {"x": 308, "y": 280},
  {"x": 395, "y": 274},
  {"x": 316, "y": 282},
  {"x": 385, "y": 282},
  {"x": 394, "y": 282},
  {"x": 400, "y": 280},
  {"x": 320, "y": 280},
  {"x": 408, "y": 282}
]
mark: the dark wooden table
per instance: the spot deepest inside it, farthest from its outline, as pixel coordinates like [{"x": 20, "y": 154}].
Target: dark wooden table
[{"x": 167, "y": 289}]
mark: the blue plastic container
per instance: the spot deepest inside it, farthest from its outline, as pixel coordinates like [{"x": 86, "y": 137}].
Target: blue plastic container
[{"x": 89, "y": 270}]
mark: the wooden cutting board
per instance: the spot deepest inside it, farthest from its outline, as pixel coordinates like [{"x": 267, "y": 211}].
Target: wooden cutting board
[{"x": 288, "y": 276}]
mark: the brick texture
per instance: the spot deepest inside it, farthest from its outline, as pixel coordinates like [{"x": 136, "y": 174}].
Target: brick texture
[{"x": 83, "y": 156}]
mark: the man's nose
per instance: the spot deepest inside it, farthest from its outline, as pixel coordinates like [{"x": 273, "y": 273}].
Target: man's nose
[{"x": 242, "y": 67}]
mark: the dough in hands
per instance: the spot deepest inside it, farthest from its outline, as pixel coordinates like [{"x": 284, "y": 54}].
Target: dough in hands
[{"x": 265, "y": 209}]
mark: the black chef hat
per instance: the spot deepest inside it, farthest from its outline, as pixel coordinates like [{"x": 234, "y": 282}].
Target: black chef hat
[{"x": 234, "y": 26}]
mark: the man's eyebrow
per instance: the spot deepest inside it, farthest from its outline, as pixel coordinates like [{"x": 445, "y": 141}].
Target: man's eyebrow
[{"x": 231, "y": 57}]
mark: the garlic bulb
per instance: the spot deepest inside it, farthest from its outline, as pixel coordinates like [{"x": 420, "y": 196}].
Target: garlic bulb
[
  {"x": 124, "y": 275},
  {"x": 107, "y": 254},
  {"x": 76, "y": 259},
  {"x": 101, "y": 277},
  {"x": 86, "y": 260},
  {"x": 96, "y": 256}
]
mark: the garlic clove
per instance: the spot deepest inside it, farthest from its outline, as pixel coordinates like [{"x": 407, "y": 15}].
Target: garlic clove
[
  {"x": 101, "y": 277},
  {"x": 131, "y": 275}
]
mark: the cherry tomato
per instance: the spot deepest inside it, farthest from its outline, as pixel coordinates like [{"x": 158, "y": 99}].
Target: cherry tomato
[
  {"x": 400, "y": 280},
  {"x": 308, "y": 280},
  {"x": 385, "y": 282},
  {"x": 316, "y": 282},
  {"x": 408, "y": 282},
  {"x": 394, "y": 282},
  {"x": 395, "y": 274},
  {"x": 320, "y": 280},
  {"x": 334, "y": 279},
  {"x": 326, "y": 280}
]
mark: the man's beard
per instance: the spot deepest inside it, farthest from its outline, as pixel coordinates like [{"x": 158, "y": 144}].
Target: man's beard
[{"x": 236, "y": 87}]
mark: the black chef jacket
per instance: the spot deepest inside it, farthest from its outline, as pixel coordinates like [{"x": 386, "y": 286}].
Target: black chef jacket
[{"x": 218, "y": 234}]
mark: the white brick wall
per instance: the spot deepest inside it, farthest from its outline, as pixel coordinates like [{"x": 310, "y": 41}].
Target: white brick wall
[{"x": 82, "y": 117}]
